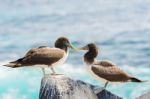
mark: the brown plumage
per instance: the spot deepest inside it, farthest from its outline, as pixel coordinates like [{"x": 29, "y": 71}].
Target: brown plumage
[
  {"x": 109, "y": 72},
  {"x": 104, "y": 70},
  {"x": 40, "y": 56},
  {"x": 45, "y": 55}
]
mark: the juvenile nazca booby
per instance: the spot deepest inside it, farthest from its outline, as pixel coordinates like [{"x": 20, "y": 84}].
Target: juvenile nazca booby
[
  {"x": 104, "y": 70},
  {"x": 45, "y": 55}
]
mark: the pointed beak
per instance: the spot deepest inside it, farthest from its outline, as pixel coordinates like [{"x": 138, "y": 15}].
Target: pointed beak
[
  {"x": 72, "y": 47},
  {"x": 84, "y": 48}
]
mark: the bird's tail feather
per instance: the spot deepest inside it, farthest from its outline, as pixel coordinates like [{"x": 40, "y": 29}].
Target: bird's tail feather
[
  {"x": 133, "y": 79},
  {"x": 13, "y": 65}
]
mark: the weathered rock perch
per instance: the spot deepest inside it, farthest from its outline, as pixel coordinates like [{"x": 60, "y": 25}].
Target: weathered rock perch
[
  {"x": 145, "y": 96},
  {"x": 62, "y": 87}
]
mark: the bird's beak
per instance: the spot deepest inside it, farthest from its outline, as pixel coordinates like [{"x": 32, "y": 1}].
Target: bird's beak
[
  {"x": 84, "y": 48},
  {"x": 72, "y": 47}
]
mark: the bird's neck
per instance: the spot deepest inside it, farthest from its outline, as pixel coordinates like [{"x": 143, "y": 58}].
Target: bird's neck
[
  {"x": 90, "y": 56},
  {"x": 63, "y": 48}
]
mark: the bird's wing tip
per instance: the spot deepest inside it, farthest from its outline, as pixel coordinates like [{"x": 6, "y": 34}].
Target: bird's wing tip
[{"x": 6, "y": 65}]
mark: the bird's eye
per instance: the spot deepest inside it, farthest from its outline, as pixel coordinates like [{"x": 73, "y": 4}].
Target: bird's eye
[{"x": 66, "y": 43}]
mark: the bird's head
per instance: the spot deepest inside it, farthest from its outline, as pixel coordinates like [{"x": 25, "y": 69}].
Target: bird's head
[
  {"x": 91, "y": 48},
  {"x": 64, "y": 43}
]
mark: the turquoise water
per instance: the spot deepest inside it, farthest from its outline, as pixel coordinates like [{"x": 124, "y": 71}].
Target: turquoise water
[{"x": 121, "y": 29}]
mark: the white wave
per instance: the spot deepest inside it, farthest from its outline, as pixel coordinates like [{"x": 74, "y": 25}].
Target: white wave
[
  {"x": 5, "y": 72},
  {"x": 75, "y": 72},
  {"x": 65, "y": 68},
  {"x": 69, "y": 70},
  {"x": 136, "y": 69}
]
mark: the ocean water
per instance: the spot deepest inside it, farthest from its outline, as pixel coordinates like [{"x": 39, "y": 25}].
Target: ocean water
[{"x": 121, "y": 29}]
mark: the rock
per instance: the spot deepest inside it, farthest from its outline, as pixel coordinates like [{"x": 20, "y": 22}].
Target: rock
[
  {"x": 145, "y": 96},
  {"x": 62, "y": 87}
]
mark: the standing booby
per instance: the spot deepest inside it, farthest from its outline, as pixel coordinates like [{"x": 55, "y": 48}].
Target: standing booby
[
  {"x": 104, "y": 70},
  {"x": 45, "y": 55}
]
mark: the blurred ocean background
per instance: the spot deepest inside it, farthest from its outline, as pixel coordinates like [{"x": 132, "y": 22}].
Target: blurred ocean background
[{"x": 121, "y": 29}]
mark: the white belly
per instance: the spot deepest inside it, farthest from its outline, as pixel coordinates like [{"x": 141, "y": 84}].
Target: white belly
[
  {"x": 61, "y": 61},
  {"x": 89, "y": 69}
]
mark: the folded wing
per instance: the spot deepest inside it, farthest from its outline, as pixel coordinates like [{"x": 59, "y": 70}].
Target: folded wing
[
  {"x": 109, "y": 71},
  {"x": 39, "y": 56}
]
